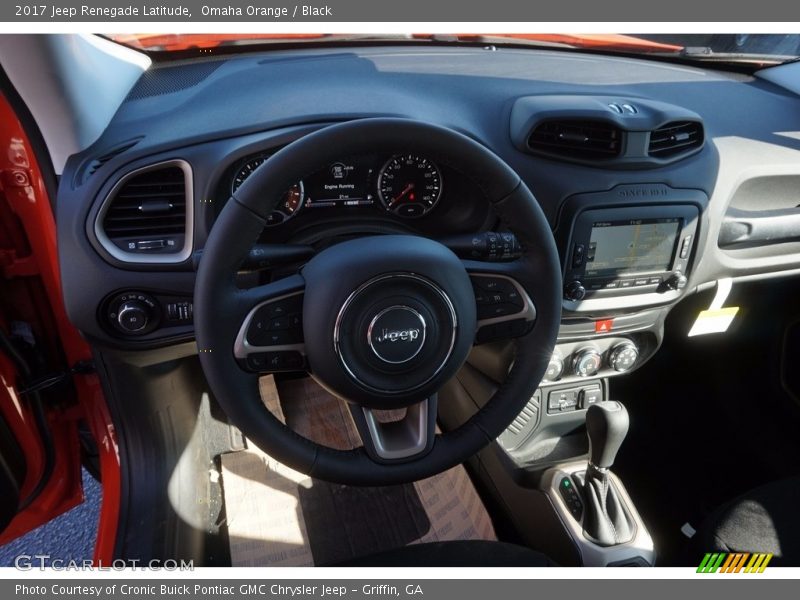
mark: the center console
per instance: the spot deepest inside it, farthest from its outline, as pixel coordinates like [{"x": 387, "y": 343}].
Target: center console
[{"x": 627, "y": 257}]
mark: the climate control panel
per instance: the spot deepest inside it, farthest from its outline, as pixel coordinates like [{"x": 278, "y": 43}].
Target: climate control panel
[{"x": 601, "y": 357}]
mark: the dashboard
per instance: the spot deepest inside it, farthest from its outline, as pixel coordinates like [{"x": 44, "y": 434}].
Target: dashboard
[{"x": 655, "y": 177}]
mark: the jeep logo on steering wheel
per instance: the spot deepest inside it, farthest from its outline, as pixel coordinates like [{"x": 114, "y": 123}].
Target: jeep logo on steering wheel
[
  {"x": 398, "y": 323},
  {"x": 407, "y": 335}
]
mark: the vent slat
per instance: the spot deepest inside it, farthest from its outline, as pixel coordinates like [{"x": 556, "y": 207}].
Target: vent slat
[
  {"x": 577, "y": 139},
  {"x": 675, "y": 138},
  {"x": 674, "y": 146},
  {"x": 150, "y": 203},
  {"x": 613, "y": 151},
  {"x": 135, "y": 204},
  {"x": 133, "y": 231},
  {"x": 665, "y": 135},
  {"x": 681, "y": 137},
  {"x": 134, "y": 184},
  {"x": 130, "y": 196},
  {"x": 143, "y": 220},
  {"x": 150, "y": 190}
]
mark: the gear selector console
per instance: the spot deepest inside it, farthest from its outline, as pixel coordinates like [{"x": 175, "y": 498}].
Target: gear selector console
[{"x": 591, "y": 501}]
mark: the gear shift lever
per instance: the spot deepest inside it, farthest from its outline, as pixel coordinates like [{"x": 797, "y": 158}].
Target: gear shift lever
[
  {"x": 606, "y": 520},
  {"x": 607, "y": 426}
]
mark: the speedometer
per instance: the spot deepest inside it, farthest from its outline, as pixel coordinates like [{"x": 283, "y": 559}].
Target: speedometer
[
  {"x": 291, "y": 201},
  {"x": 409, "y": 185}
]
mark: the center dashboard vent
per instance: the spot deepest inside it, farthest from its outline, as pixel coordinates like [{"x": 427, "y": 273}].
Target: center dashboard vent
[
  {"x": 675, "y": 138},
  {"x": 605, "y": 132},
  {"x": 586, "y": 139},
  {"x": 148, "y": 215}
]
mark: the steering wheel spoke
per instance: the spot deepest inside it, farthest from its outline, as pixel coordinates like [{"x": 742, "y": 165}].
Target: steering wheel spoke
[
  {"x": 270, "y": 339},
  {"x": 402, "y": 440},
  {"x": 504, "y": 308}
]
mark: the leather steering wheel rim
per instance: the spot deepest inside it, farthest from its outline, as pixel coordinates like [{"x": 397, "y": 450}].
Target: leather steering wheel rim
[{"x": 221, "y": 306}]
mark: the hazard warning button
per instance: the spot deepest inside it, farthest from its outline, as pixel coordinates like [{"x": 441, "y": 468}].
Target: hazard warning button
[{"x": 603, "y": 326}]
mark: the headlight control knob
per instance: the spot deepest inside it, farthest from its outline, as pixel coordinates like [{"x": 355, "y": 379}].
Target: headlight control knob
[
  {"x": 623, "y": 356},
  {"x": 133, "y": 316},
  {"x": 586, "y": 362},
  {"x": 133, "y": 313}
]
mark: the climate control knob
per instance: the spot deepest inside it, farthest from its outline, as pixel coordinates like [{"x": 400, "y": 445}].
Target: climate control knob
[
  {"x": 623, "y": 356},
  {"x": 555, "y": 368},
  {"x": 133, "y": 316},
  {"x": 586, "y": 362}
]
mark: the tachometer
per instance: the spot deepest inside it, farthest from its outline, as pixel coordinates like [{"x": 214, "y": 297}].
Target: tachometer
[
  {"x": 409, "y": 185},
  {"x": 291, "y": 202}
]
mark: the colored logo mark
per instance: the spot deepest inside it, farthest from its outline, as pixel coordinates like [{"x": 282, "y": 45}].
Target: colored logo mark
[{"x": 735, "y": 562}]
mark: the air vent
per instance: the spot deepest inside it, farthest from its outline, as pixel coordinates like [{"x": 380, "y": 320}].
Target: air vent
[
  {"x": 675, "y": 138},
  {"x": 147, "y": 217},
  {"x": 583, "y": 139}
]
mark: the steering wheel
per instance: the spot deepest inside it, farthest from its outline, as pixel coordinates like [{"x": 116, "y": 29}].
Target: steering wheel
[{"x": 382, "y": 322}]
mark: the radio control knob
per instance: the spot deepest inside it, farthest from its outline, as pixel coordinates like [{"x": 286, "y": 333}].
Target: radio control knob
[
  {"x": 623, "y": 356},
  {"x": 586, "y": 362},
  {"x": 555, "y": 368},
  {"x": 574, "y": 291},
  {"x": 133, "y": 316},
  {"x": 675, "y": 281}
]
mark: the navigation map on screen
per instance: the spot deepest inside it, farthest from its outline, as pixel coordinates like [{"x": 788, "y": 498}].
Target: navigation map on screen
[{"x": 631, "y": 247}]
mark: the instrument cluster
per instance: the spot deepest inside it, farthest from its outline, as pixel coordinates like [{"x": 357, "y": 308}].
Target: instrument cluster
[{"x": 405, "y": 185}]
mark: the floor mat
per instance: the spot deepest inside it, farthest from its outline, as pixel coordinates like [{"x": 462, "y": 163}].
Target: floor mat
[{"x": 279, "y": 517}]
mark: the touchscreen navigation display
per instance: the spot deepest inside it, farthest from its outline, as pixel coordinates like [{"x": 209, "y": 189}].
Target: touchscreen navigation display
[{"x": 629, "y": 247}]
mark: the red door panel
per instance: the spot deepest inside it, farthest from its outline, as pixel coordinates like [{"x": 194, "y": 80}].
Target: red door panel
[{"x": 31, "y": 292}]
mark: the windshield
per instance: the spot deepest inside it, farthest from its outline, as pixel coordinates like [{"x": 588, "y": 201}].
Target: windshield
[{"x": 757, "y": 49}]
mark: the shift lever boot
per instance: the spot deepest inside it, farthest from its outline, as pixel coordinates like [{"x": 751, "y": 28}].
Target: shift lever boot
[{"x": 606, "y": 520}]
